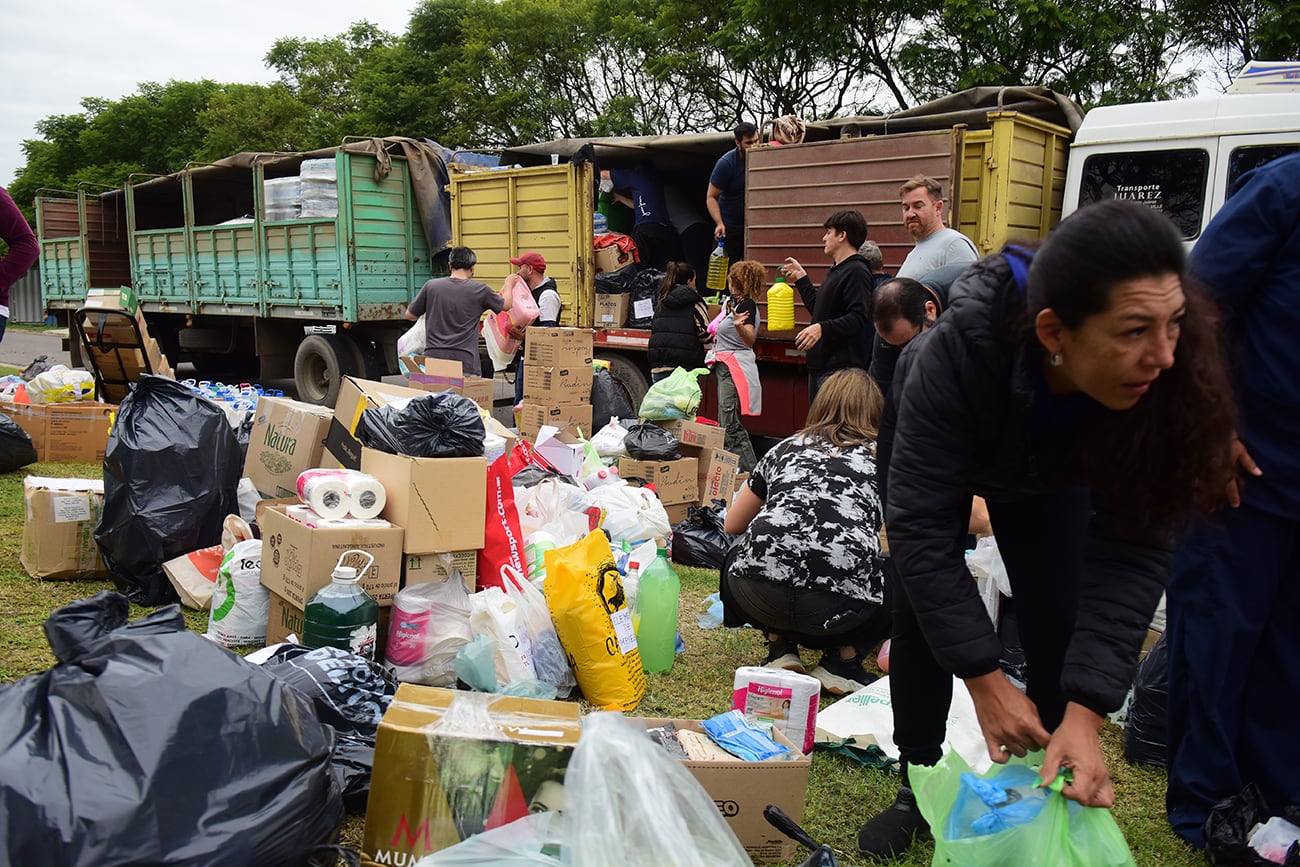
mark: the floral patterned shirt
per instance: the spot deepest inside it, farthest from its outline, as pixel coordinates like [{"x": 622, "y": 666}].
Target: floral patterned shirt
[{"x": 819, "y": 526}]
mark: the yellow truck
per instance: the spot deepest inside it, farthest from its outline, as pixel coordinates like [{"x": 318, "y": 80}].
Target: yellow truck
[{"x": 999, "y": 153}]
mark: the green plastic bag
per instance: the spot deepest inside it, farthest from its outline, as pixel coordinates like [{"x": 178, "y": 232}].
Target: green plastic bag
[
  {"x": 675, "y": 396},
  {"x": 1063, "y": 834}
]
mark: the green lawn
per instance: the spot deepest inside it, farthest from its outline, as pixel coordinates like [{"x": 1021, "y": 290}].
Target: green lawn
[{"x": 840, "y": 794}]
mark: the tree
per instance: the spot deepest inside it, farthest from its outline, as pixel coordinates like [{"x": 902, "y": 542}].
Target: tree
[{"x": 1233, "y": 32}]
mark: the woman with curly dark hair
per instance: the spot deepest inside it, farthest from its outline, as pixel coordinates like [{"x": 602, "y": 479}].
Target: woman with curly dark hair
[{"x": 1080, "y": 390}]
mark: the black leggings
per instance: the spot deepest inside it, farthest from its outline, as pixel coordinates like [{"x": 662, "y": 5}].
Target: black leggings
[
  {"x": 1042, "y": 540},
  {"x": 818, "y": 619}
]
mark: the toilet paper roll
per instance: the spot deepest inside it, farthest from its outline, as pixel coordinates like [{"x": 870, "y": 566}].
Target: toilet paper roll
[
  {"x": 366, "y": 496},
  {"x": 327, "y": 495}
]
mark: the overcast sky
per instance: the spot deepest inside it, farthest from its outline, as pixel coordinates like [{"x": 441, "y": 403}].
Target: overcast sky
[{"x": 56, "y": 52}]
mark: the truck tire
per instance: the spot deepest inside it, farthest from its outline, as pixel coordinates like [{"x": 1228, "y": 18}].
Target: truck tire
[
  {"x": 321, "y": 363},
  {"x": 628, "y": 372}
]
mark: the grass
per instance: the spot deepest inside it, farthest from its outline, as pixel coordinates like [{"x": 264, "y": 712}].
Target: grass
[{"x": 841, "y": 795}]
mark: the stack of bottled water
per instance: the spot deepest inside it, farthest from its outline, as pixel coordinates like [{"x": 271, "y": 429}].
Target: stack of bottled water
[
  {"x": 237, "y": 400},
  {"x": 319, "y": 188},
  {"x": 283, "y": 198}
]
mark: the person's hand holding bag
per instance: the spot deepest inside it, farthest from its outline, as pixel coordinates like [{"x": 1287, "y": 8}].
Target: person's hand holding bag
[
  {"x": 1075, "y": 745},
  {"x": 1007, "y": 717}
]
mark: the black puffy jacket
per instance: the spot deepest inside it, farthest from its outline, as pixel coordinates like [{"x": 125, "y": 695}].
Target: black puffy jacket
[
  {"x": 959, "y": 423},
  {"x": 678, "y": 330},
  {"x": 840, "y": 306}
]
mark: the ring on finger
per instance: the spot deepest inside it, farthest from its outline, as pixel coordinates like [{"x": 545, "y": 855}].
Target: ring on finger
[{"x": 1004, "y": 749}]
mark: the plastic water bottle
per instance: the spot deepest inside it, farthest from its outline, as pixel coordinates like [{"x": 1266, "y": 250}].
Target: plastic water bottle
[
  {"x": 343, "y": 614},
  {"x": 718, "y": 265},
  {"x": 657, "y": 602},
  {"x": 607, "y": 476},
  {"x": 780, "y": 306}
]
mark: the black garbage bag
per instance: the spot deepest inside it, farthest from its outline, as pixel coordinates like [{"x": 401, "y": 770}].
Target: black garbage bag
[
  {"x": 16, "y": 449},
  {"x": 1228, "y": 828},
  {"x": 700, "y": 539},
  {"x": 645, "y": 289},
  {"x": 149, "y": 744},
  {"x": 438, "y": 425},
  {"x": 171, "y": 469},
  {"x": 350, "y": 694},
  {"x": 1144, "y": 729},
  {"x": 649, "y": 442},
  {"x": 532, "y": 475},
  {"x": 618, "y": 282},
  {"x": 1012, "y": 659},
  {"x": 609, "y": 399}
]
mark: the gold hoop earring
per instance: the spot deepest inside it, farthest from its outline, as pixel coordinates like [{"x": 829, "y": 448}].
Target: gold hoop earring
[{"x": 1056, "y": 359}]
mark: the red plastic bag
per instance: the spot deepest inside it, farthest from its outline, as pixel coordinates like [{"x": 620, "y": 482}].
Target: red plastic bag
[
  {"x": 524, "y": 455},
  {"x": 503, "y": 541}
]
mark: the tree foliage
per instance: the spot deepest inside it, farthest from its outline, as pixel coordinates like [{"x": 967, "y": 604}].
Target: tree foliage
[{"x": 493, "y": 73}]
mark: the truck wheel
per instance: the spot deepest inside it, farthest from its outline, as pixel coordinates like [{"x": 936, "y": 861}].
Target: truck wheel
[
  {"x": 630, "y": 375},
  {"x": 321, "y": 363}
]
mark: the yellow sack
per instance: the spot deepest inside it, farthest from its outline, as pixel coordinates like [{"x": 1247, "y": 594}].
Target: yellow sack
[{"x": 584, "y": 594}]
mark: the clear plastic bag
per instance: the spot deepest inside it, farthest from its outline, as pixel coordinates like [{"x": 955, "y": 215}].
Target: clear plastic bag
[
  {"x": 496, "y": 615},
  {"x": 549, "y": 661},
  {"x": 630, "y": 803},
  {"x": 985, "y": 563},
  {"x": 525, "y": 841},
  {"x": 609, "y": 440},
  {"x": 631, "y": 514},
  {"x": 429, "y": 625}
]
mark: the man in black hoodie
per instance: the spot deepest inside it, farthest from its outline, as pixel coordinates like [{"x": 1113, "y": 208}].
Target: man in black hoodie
[{"x": 837, "y": 336}]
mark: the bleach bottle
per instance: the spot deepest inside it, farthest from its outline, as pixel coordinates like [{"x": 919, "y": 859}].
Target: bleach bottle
[{"x": 342, "y": 614}]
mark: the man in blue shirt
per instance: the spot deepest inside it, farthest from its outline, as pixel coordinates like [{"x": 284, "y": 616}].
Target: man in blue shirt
[
  {"x": 657, "y": 242},
  {"x": 726, "y": 199},
  {"x": 1234, "y": 597}
]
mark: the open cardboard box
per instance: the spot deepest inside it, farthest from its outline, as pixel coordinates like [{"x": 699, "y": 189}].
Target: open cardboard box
[{"x": 742, "y": 789}]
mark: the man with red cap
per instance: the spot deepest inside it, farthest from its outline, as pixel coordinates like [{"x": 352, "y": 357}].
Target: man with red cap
[{"x": 532, "y": 269}]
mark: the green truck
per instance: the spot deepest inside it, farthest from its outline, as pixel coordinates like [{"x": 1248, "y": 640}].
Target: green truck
[{"x": 234, "y": 278}]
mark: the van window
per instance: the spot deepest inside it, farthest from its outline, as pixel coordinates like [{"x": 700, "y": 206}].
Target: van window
[
  {"x": 1173, "y": 181},
  {"x": 1243, "y": 159}
]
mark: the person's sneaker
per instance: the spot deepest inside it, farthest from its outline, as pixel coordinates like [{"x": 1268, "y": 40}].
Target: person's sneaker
[
  {"x": 841, "y": 676},
  {"x": 784, "y": 654},
  {"x": 891, "y": 832}
]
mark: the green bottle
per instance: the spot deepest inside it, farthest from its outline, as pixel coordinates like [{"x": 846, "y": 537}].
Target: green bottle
[
  {"x": 656, "y": 601},
  {"x": 343, "y": 614}
]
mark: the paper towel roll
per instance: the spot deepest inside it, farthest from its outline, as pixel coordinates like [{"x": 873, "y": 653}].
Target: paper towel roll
[
  {"x": 366, "y": 496},
  {"x": 788, "y": 699},
  {"x": 326, "y": 494}
]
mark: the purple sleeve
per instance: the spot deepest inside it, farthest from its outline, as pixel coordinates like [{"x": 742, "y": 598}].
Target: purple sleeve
[{"x": 23, "y": 248}]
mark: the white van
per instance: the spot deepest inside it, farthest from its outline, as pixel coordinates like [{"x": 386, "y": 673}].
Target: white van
[{"x": 1183, "y": 156}]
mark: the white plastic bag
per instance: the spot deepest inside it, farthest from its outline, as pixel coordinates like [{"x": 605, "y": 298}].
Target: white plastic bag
[
  {"x": 631, "y": 514},
  {"x": 61, "y": 385},
  {"x": 985, "y": 563},
  {"x": 496, "y": 615},
  {"x": 630, "y": 803},
  {"x": 561, "y": 510},
  {"x": 549, "y": 661},
  {"x": 413, "y": 341},
  {"x": 428, "y": 626},
  {"x": 527, "y": 840},
  {"x": 609, "y": 440},
  {"x": 239, "y": 601}
]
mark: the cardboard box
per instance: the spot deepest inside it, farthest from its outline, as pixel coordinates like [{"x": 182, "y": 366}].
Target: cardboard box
[
  {"x": 119, "y": 363},
  {"x": 59, "y": 531},
  {"x": 355, "y": 396},
  {"x": 440, "y": 502},
  {"x": 675, "y": 481},
  {"x": 423, "y": 568},
  {"x": 611, "y": 258},
  {"x": 717, "y": 476},
  {"x": 678, "y": 512},
  {"x": 557, "y": 347},
  {"x": 694, "y": 433},
  {"x": 567, "y": 417},
  {"x": 481, "y": 390},
  {"x": 742, "y": 789},
  {"x": 436, "y": 374},
  {"x": 553, "y": 386},
  {"x": 611, "y": 310},
  {"x": 122, "y": 298},
  {"x": 288, "y": 437},
  {"x": 76, "y": 431},
  {"x": 434, "y": 783},
  {"x": 284, "y": 619},
  {"x": 1153, "y": 635},
  {"x": 297, "y": 560}
]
